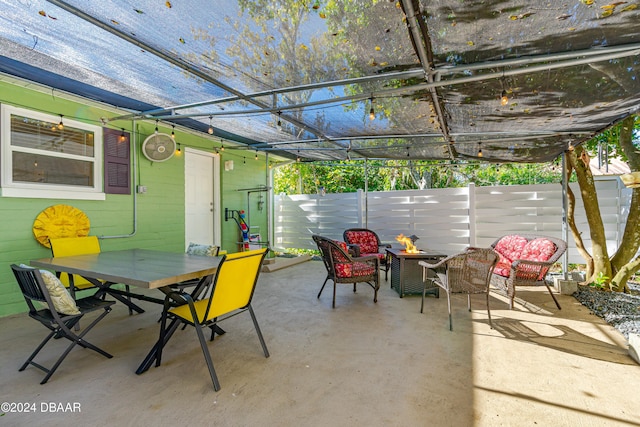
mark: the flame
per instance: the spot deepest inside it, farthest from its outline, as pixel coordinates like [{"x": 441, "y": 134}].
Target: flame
[{"x": 410, "y": 247}]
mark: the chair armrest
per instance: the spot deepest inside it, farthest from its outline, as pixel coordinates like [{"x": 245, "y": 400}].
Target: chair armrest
[
  {"x": 525, "y": 271},
  {"x": 354, "y": 249},
  {"x": 524, "y": 262},
  {"x": 385, "y": 245},
  {"x": 367, "y": 259},
  {"x": 439, "y": 264}
]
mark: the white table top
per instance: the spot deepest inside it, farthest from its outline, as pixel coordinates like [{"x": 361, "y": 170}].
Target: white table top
[{"x": 137, "y": 267}]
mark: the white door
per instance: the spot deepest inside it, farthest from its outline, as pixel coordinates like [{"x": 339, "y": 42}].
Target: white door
[{"x": 201, "y": 197}]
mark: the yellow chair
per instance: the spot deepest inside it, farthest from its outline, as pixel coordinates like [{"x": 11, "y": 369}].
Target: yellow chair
[
  {"x": 70, "y": 246},
  {"x": 229, "y": 293}
]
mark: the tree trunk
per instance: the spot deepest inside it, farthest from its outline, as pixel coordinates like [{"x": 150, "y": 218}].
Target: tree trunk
[
  {"x": 571, "y": 221},
  {"x": 621, "y": 262},
  {"x": 579, "y": 161}
]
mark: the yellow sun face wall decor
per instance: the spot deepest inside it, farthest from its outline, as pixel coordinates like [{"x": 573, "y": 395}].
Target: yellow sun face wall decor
[{"x": 60, "y": 221}]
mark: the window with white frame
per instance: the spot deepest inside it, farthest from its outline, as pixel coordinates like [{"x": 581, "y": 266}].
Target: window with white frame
[{"x": 47, "y": 156}]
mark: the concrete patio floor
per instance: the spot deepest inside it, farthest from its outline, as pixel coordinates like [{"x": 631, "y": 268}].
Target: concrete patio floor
[{"x": 383, "y": 364}]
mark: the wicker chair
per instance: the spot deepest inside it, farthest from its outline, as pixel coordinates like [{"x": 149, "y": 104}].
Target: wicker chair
[
  {"x": 468, "y": 272},
  {"x": 342, "y": 268},
  {"x": 521, "y": 263},
  {"x": 364, "y": 242}
]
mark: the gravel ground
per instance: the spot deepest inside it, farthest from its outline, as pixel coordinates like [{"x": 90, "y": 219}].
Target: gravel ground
[{"x": 622, "y": 311}]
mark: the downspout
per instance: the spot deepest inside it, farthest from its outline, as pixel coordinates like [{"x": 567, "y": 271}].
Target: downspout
[
  {"x": 366, "y": 194},
  {"x": 565, "y": 205},
  {"x": 134, "y": 186},
  {"x": 269, "y": 196}
]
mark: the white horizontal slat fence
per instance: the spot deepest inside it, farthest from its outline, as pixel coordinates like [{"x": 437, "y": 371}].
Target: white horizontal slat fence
[{"x": 447, "y": 219}]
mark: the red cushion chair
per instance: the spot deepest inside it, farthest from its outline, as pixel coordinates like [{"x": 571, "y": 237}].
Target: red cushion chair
[
  {"x": 524, "y": 260},
  {"x": 343, "y": 268},
  {"x": 364, "y": 242}
]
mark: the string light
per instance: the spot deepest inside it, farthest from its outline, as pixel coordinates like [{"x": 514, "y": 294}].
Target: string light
[
  {"x": 178, "y": 151},
  {"x": 244, "y": 160},
  {"x": 122, "y": 137},
  {"x": 210, "y": 130},
  {"x": 479, "y": 149},
  {"x": 221, "y": 145},
  {"x": 279, "y": 122},
  {"x": 298, "y": 157},
  {"x": 173, "y": 133},
  {"x": 256, "y": 154},
  {"x": 156, "y": 131},
  {"x": 372, "y": 113},
  {"x": 504, "y": 99},
  {"x": 60, "y": 125}
]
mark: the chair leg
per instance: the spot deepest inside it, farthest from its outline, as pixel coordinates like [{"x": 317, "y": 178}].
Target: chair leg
[
  {"x": 207, "y": 357},
  {"x": 75, "y": 340},
  {"x": 37, "y": 350},
  {"x": 375, "y": 289},
  {"x": 553, "y": 296},
  {"x": 322, "y": 288},
  {"x": 129, "y": 298},
  {"x": 489, "y": 312},
  {"x": 449, "y": 307},
  {"x": 333, "y": 304},
  {"x": 260, "y": 337}
]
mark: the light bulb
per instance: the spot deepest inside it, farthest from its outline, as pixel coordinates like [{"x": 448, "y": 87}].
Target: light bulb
[
  {"x": 210, "y": 130},
  {"x": 372, "y": 114},
  {"x": 122, "y": 137},
  {"x": 173, "y": 133},
  {"x": 60, "y": 125},
  {"x": 504, "y": 99}
]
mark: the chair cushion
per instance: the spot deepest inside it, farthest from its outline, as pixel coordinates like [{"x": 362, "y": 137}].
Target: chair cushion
[
  {"x": 503, "y": 266},
  {"x": 510, "y": 247},
  {"x": 62, "y": 301},
  {"x": 356, "y": 269},
  {"x": 367, "y": 241},
  {"x": 204, "y": 250},
  {"x": 539, "y": 249}
]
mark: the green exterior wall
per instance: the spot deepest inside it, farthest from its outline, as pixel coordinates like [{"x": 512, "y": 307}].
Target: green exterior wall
[{"x": 160, "y": 211}]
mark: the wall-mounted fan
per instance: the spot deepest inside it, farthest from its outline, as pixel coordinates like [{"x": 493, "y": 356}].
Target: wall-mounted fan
[{"x": 158, "y": 147}]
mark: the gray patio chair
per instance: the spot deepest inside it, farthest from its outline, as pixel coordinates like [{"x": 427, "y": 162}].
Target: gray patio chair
[{"x": 467, "y": 272}]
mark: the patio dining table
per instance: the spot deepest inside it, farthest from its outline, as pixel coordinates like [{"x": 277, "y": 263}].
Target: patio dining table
[{"x": 142, "y": 268}]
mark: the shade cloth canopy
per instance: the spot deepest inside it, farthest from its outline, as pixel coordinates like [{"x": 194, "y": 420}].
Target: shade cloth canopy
[{"x": 300, "y": 78}]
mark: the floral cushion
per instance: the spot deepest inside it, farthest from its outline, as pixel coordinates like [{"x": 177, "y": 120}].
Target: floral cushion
[
  {"x": 62, "y": 301},
  {"x": 355, "y": 269},
  {"x": 204, "y": 250},
  {"x": 539, "y": 249},
  {"x": 337, "y": 256},
  {"x": 366, "y": 240},
  {"x": 513, "y": 247},
  {"x": 503, "y": 266},
  {"x": 510, "y": 247}
]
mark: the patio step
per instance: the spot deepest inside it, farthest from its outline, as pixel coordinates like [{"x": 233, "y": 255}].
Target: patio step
[{"x": 279, "y": 263}]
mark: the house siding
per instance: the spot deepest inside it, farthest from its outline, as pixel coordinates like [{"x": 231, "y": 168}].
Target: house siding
[{"x": 160, "y": 211}]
